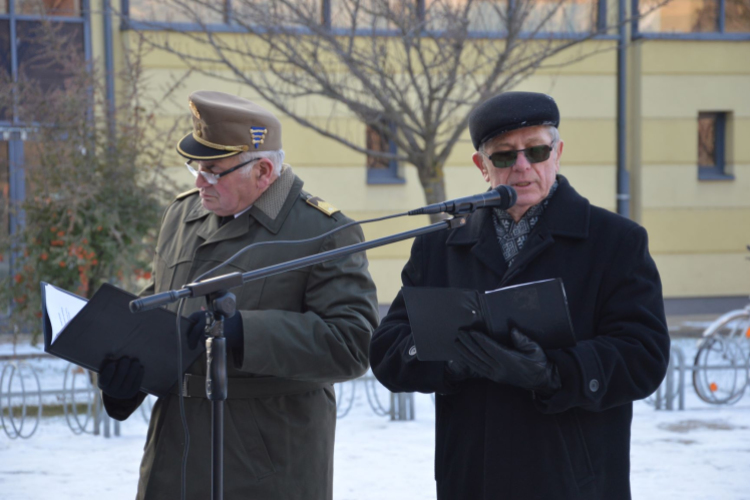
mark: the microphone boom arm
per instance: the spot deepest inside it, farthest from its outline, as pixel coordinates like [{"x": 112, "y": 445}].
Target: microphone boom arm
[{"x": 234, "y": 280}]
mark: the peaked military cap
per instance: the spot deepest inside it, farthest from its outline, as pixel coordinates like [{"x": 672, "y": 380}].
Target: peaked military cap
[
  {"x": 510, "y": 111},
  {"x": 226, "y": 125}
]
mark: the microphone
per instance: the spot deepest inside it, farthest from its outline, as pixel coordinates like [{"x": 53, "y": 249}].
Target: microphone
[{"x": 502, "y": 197}]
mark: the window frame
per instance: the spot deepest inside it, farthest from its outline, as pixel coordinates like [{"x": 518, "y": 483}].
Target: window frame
[
  {"x": 228, "y": 27},
  {"x": 84, "y": 19},
  {"x": 717, "y": 172},
  {"x": 718, "y": 35},
  {"x": 389, "y": 175}
]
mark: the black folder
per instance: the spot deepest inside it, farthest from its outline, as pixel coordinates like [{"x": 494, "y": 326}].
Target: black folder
[
  {"x": 105, "y": 328},
  {"x": 539, "y": 309}
]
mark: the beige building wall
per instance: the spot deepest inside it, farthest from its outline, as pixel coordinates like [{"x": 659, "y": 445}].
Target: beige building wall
[{"x": 698, "y": 229}]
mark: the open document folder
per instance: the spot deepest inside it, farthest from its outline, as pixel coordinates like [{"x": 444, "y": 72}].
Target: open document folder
[
  {"x": 539, "y": 309},
  {"x": 88, "y": 332}
]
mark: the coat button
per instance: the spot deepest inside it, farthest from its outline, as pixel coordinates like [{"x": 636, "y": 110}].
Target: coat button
[
  {"x": 413, "y": 351},
  {"x": 594, "y": 385}
]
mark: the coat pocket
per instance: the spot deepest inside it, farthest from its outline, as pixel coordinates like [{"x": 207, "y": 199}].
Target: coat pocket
[
  {"x": 578, "y": 452},
  {"x": 245, "y": 451}
]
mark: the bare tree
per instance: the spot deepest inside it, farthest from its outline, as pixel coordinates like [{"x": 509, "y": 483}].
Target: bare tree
[{"x": 409, "y": 70}]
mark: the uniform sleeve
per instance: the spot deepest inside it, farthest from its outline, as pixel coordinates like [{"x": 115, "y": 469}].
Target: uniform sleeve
[
  {"x": 329, "y": 341},
  {"x": 628, "y": 355},
  {"x": 394, "y": 361}
]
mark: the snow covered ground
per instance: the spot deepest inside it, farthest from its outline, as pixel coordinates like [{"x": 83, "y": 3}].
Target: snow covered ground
[{"x": 696, "y": 454}]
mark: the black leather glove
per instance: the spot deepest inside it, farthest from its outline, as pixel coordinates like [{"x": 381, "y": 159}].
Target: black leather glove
[
  {"x": 458, "y": 371},
  {"x": 233, "y": 330},
  {"x": 121, "y": 378},
  {"x": 523, "y": 365}
]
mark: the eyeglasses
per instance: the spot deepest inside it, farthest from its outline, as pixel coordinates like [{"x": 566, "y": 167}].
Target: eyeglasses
[
  {"x": 506, "y": 159},
  {"x": 212, "y": 178}
]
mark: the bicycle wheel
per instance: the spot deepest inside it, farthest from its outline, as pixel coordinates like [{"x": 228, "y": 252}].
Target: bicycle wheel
[{"x": 721, "y": 374}]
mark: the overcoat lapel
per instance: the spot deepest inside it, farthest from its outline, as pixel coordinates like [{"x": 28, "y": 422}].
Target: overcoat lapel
[
  {"x": 566, "y": 216},
  {"x": 480, "y": 234}
]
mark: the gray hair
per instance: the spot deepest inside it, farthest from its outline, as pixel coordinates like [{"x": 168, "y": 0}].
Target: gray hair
[
  {"x": 276, "y": 158},
  {"x": 553, "y": 132}
]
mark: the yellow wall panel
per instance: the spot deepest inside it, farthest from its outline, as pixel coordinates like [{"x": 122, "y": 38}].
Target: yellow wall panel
[
  {"x": 685, "y": 57},
  {"x": 588, "y": 141},
  {"x": 684, "y": 96},
  {"x": 704, "y": 275},
  {"x": 698, "y": 231},
  {"x": 386, "y": 273},
  {"x": 598, "y": 183},
  {"x": 346, "y": 188},
  {"x": 676, "y": 141},
  {"x": 577, "y": 95},
  {"x": 677, "y": 186}
]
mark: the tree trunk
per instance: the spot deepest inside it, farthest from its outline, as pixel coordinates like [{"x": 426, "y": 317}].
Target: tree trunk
[{"x": 434, "y": 189}]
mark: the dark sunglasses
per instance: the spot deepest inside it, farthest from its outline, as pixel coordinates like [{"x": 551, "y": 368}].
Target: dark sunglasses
[{"x": 506, "y": 159}]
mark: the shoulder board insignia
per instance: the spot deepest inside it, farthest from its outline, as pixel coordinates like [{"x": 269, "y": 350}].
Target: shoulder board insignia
[
  {"x": 321, "y": 205},
  {"x": 186, "y": 194}
]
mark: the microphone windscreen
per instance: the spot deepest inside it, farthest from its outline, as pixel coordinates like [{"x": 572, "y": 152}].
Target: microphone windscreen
[{"x": 508, "y": 195}]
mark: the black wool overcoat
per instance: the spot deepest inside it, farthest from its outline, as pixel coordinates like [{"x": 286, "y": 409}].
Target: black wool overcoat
[{"x": 495, "y": 441}]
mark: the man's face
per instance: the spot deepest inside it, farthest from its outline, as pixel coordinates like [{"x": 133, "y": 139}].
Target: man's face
[
  {"x": 532, "y": 181},
  {"x": 237, "y": 190}
]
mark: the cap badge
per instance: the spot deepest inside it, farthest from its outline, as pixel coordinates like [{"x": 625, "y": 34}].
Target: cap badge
[
  {"x": 194, "y": 110},
  {"x": 259, "y": 135}
]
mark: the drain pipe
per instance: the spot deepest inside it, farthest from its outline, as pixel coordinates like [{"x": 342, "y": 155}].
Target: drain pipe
[
  {"x": 623, "y": 176},
  {"x": 109, "y": 68}
]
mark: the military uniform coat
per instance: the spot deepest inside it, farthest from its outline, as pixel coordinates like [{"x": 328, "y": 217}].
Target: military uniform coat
[
  {"x": 499, "y": 442},
  {"x": 303, "y": 331}
]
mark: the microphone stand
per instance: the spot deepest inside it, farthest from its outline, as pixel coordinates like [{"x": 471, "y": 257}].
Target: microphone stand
[{"x": 222, "y": 304}]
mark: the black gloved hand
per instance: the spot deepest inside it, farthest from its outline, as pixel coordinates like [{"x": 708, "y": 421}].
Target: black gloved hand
[
  {"x": 458, "y": 371},
  {"x": 524, "y": 365},
  {"x": 233, "y": 330},
  {"x": 121, "y": 378}
]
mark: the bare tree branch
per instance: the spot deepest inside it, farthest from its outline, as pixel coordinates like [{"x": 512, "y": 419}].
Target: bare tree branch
[{"x": 412, "y": 75}]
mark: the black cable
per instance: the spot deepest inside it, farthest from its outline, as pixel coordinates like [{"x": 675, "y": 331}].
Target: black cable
[{"x": 292, "y": 242}]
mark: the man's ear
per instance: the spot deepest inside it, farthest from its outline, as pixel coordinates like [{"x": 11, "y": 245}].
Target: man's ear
[
  {"x": 559, "y": 154},
  {"x": 264, "y": 173},
  {"x": 478, "y": 161}
]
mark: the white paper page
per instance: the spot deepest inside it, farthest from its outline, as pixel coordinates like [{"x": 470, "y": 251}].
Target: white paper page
[
  {"x": 61, "y": 308},
  {"x": 520, "y": 284}
]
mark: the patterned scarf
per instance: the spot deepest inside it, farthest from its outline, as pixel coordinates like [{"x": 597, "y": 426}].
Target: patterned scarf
[{"x": 511, "y": 234}]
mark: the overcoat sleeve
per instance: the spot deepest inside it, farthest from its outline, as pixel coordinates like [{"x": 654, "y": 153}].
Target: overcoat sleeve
[
  {"x": 328, "y": 341},
  {"x": 393, "y": 357},
  {"x": 627, "y": 355}
]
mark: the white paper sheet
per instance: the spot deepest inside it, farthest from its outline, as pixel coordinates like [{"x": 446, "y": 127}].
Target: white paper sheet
[{"x": 61, "y": 308}]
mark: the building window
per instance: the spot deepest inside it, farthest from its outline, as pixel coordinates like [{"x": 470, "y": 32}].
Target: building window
[
  {"x": 694, "y": 16},
  {"x": 66, "y": 8},
  {"x": 38, "y": 26},
  {"x": 381, "y": 170},
  {"x": 169, "y": 11},
  {"x": 712, "y": 127}
]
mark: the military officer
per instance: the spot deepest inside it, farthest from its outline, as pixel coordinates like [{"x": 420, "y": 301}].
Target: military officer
[{"x": 293, "y": 336}]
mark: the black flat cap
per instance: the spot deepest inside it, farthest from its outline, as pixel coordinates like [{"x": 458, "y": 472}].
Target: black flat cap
[{"x": 510, "y": 111}]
